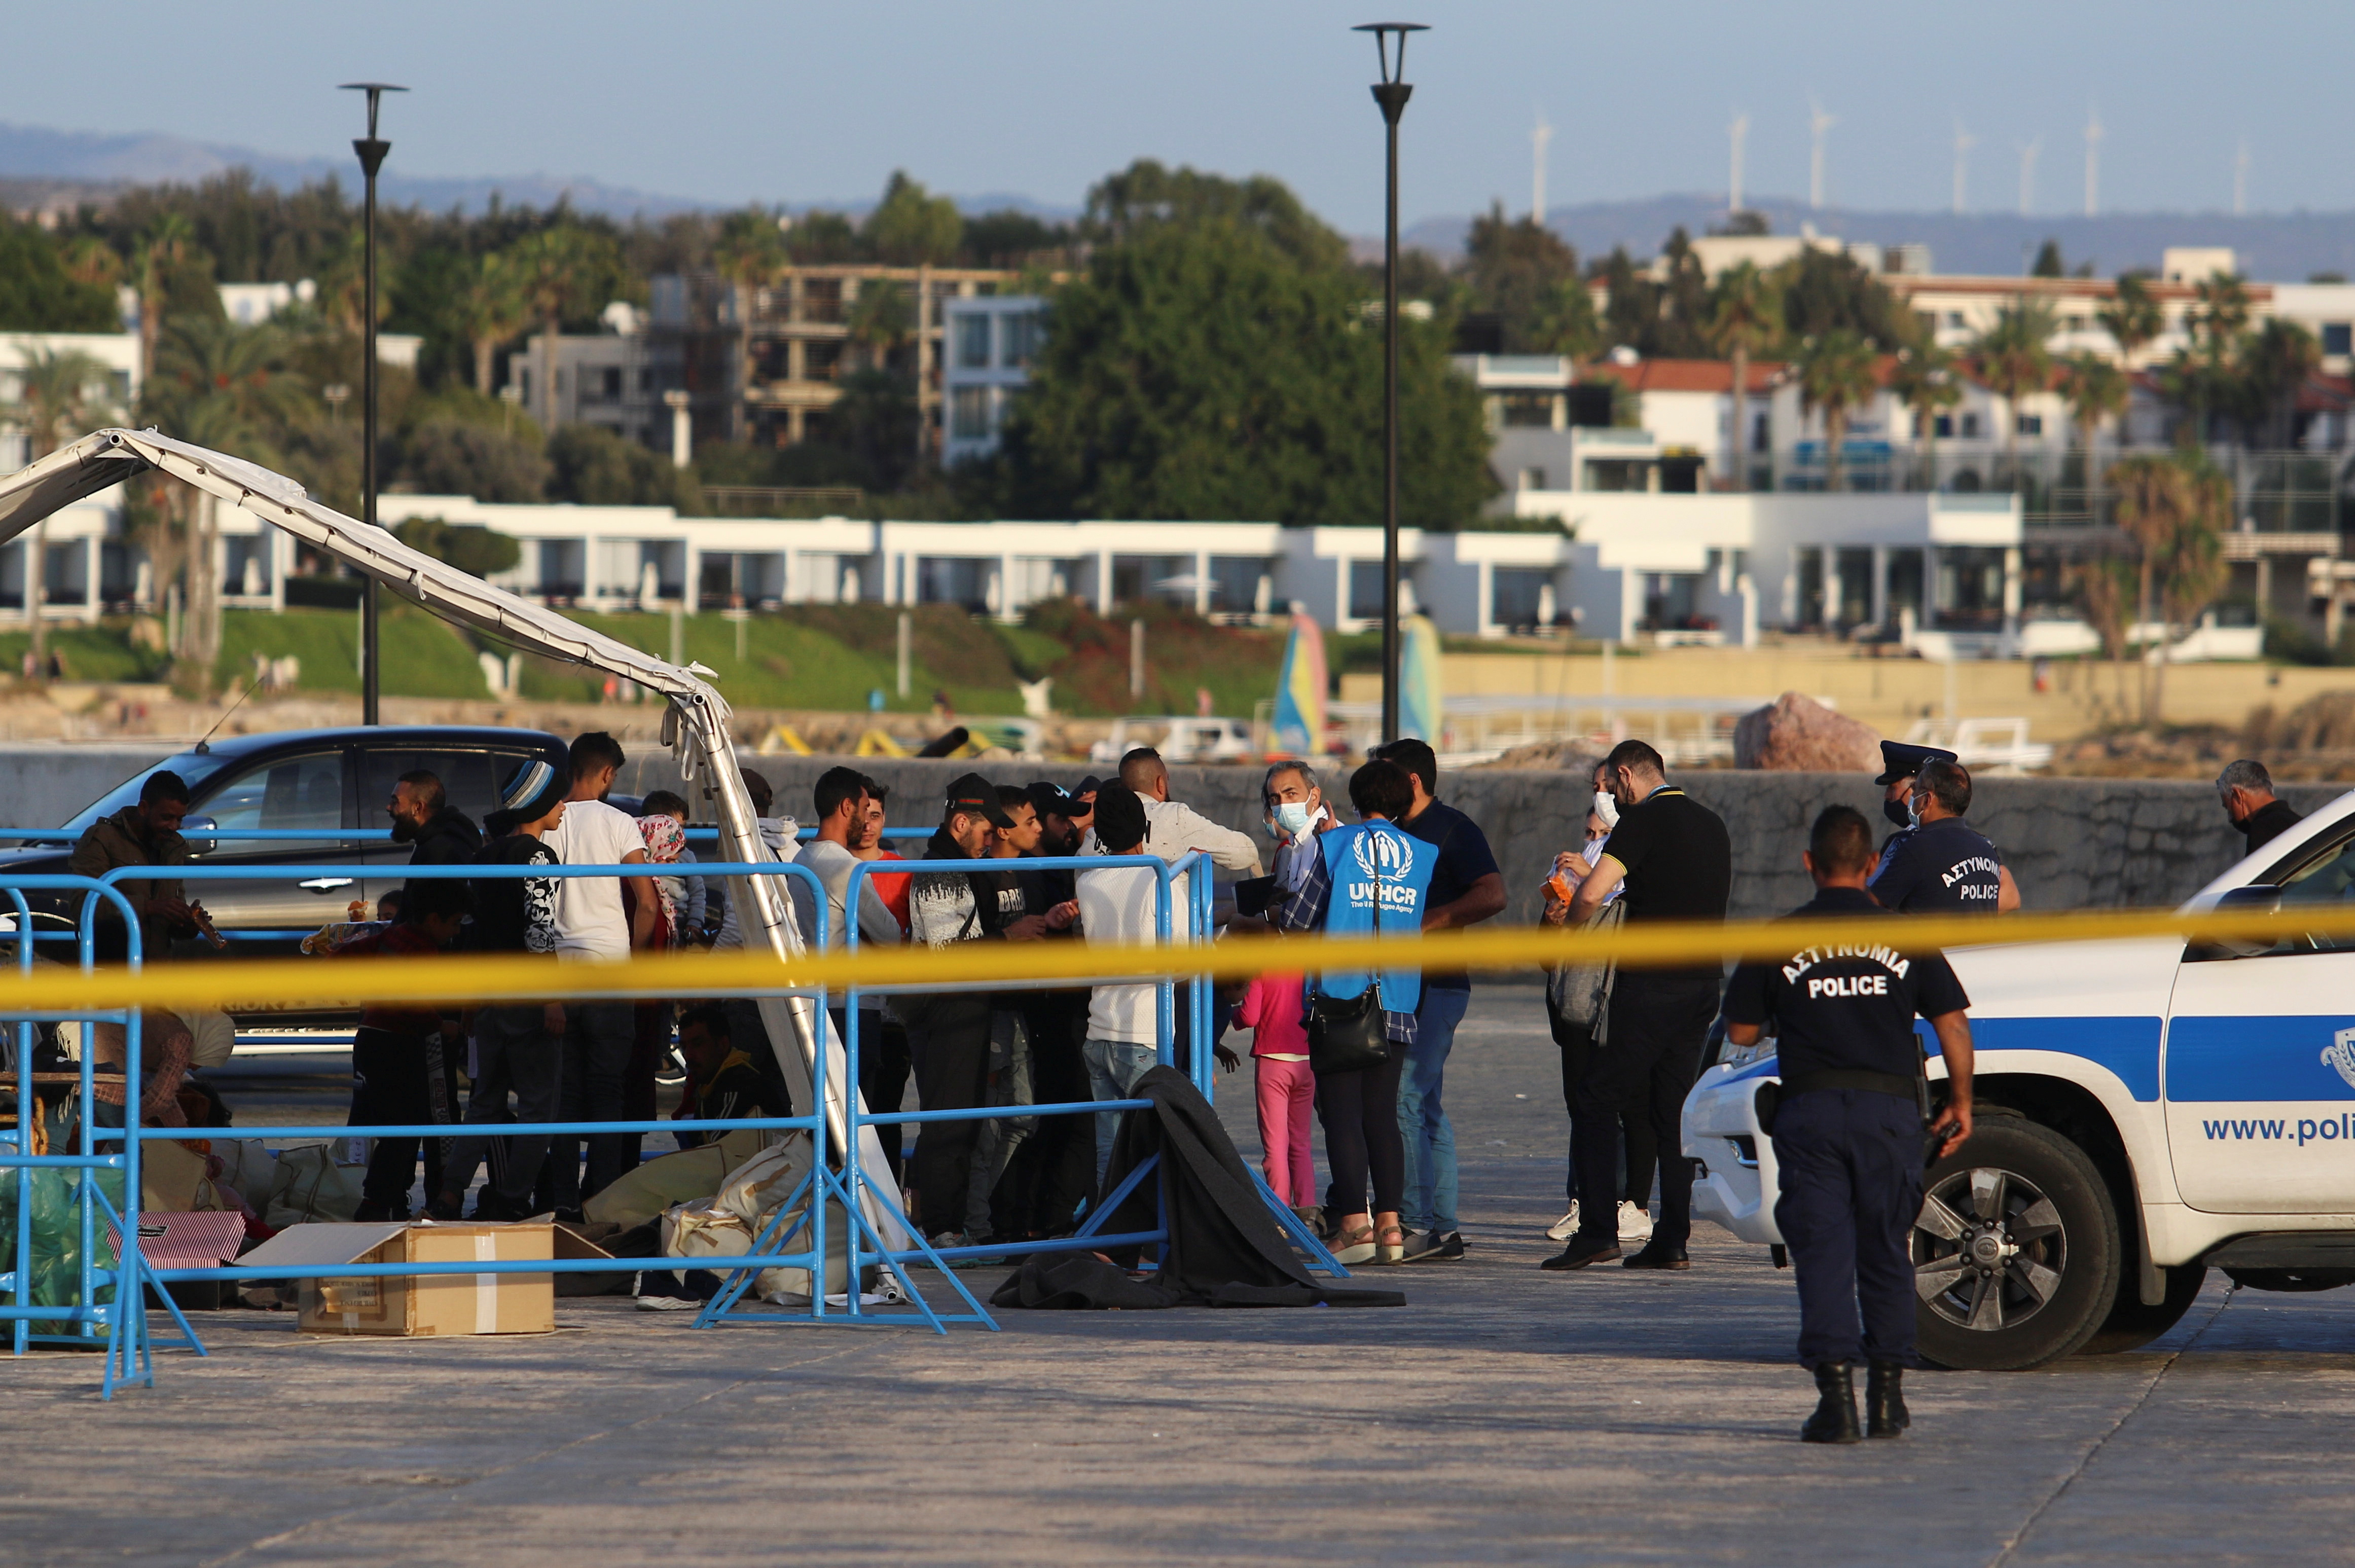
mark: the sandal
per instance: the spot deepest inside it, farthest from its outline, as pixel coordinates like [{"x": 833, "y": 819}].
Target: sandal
[
  {"x": 1355, "y": 1246},
  {"x": 1393, "y": 1251}
]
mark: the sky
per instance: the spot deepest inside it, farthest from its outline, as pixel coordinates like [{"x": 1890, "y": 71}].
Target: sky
[{"x": 792, "y": 102}]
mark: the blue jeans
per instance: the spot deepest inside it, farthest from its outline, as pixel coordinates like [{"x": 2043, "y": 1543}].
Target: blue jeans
[
  {"x": 1422, "y": 1121},
  {"x": 1114, "y": 1067}
]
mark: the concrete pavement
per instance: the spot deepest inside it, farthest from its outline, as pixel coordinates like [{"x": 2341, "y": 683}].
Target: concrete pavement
[{"x": 1503, "y": 1415}]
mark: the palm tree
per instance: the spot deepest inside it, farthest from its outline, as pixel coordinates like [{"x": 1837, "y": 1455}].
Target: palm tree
[
  {"x": 169, "y": 244},
  {"x": 2013, "y": 361},
  {"x": 1838, "y": 372},
  {"x": 2096, "y": 391},
  {"x": 2154, "y": 497},
  {"x": 490, "y": 310},
  {"x": 881, "y": 321},
  {"x": 58, "y": 391},
  {"x": 2131, "y": 319},
  {"x": 2193, "y": 570},
  {"x": 1924, "y": 382},
  {"x": 2276, "y": 362},
  {"x": 558, "y": 272},
  {"x": 1746, "y": 316},
  {"x": 222, "y": 386},
  {"x": 2104, "y": 587}
]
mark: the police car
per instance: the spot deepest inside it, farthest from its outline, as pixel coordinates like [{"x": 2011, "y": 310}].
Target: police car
[{"x": 2146, "y": 1111}]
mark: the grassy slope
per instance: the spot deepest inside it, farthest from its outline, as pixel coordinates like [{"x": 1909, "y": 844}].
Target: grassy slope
[
  {"x": 423, "y": 657},
  {"x": 103, "y": 652}
]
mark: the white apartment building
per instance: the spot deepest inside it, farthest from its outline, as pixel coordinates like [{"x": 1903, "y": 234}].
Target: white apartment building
[{"x": 988, "y": 343}]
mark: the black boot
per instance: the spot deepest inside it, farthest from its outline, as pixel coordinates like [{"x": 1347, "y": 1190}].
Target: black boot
[
  {"x": 1884, "y": 1400},
  {"x": 1835, "y": 1417}
]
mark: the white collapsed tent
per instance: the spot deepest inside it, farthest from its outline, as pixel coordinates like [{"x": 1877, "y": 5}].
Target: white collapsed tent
[{"x": 694, "y": 725}]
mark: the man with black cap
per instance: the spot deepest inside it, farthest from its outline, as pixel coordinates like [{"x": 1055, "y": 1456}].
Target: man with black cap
[
  {"x": 1939, "y": 863},
  {"x": 949, "y": 1034}
]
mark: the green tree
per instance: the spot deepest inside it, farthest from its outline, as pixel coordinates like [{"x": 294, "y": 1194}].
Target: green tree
[
  {"x": 1825, "y": 289},
  {"x": 2049, "y": 263},
  {"x": 2275, "y": 363},
  {"x": 58, "y": 390},
  {"x": 1518, "y": 269},
  {"x": 490, "y": 311},
  {"x": 37, "y": 294},
  {"x": 1924, "y": 381},
  {"x": 2012, "y": 360},
  {"x": 1202, "y": 369},
  {"x": 910, "y": 227},
  {"x": 459, "y": 457},
  {"x": 2097, "y": 393},
  {"x": 469, "y": 547},
  {"x": 2154, "y": 498},
  {"x": 2131, "y": 319},
  {"x": 594, "y": 466},
  {"x": 2193, "y": 569},
  {"x": 565, "y": 271},
  {"x": 2104, "y": 587},
  {"x": 881, "y": 319},
  {"x": 750, "y": 251},
  {"x": 1146, "y": 195},
  {"x": 221, "y": 385},
  {"x": 1745, "y": 317},
  {"x": 1011, "y": 239},
  {"x": 165, "y": 251},
  {"x": 1838, "y": 373}
]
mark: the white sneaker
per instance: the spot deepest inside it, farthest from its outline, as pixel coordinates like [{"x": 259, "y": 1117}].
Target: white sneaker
[
  {"x": 1562, "y": 1230},
  {"x": 668, "y": 1304},
  {"x": 1634, "y": 1222}
]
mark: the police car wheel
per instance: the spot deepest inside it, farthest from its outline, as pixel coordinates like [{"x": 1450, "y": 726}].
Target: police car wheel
[
  {"x": 2015, "y": 1250},
  {"x": 2131, "y": 1325}
]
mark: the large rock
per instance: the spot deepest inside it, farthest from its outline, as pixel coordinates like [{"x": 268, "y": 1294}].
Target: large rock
[{"x": 1797, "y": 735}]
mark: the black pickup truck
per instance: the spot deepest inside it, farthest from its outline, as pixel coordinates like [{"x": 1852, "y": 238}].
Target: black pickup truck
[{"x": 322, "y": 779}]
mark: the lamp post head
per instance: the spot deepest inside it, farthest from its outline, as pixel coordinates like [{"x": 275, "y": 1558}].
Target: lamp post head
[
  {"x": 1392, "y": 91},
  {"x": 375, "y": 90}
]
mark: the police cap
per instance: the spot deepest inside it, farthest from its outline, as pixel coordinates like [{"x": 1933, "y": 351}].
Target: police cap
[{"x": 1902, "y": 760}]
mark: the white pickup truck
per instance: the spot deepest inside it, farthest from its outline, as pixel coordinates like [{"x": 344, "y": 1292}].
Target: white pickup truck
[{"x": 2146, "y": 1111}]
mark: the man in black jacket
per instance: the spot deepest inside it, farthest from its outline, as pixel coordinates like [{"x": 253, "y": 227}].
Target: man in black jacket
[
  {"x": 949, "y": 1034},
  {"x": 2247, "y": 791},
  {"x": 423, "y": 815},
  {"x": 1675, "y": 860}
]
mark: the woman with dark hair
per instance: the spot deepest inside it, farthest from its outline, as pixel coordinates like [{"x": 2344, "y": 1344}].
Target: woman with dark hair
[{"x": 1366, "y": 880}]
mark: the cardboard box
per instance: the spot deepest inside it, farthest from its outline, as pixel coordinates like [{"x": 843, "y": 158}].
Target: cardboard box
[{"x": 419, "y": 1305}]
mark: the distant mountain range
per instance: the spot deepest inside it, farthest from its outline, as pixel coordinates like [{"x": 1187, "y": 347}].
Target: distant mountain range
[
  {"x": 39, "y": 166},
  {"x": 2274, "y": 247}
]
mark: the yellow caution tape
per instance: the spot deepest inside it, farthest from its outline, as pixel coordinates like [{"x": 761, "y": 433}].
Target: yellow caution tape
[{"x": 303, "y": 983}]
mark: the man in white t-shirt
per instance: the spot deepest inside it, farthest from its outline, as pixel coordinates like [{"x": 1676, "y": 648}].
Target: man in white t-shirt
[
  {"x": 597, "y": 920},
  {"x": 1120, "y": 906}
]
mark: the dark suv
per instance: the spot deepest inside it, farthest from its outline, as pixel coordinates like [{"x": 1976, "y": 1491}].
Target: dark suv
[{"x": 323, "y": 779}]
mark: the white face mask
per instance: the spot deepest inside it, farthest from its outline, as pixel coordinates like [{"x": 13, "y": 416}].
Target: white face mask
[
  {"x": 1913, "y": 807},
  {"x": 1606, "y": 806},
  {"x": 1293, "y": 818}
]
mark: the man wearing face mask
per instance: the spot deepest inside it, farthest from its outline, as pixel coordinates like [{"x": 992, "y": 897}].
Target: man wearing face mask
[
  {"x": 1296, "y": 815},
  {"x": 1941, "y": 864}
]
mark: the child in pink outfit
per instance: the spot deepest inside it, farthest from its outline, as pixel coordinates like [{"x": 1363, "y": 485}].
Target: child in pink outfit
[{"x": 1288, "y": 1089}]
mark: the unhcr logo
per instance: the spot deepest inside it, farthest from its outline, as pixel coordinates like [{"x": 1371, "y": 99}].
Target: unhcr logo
[{"x": 1380, "y": 854}]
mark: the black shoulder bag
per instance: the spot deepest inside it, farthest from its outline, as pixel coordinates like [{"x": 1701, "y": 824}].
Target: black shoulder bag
[{"x": 1350, "y": 1034}]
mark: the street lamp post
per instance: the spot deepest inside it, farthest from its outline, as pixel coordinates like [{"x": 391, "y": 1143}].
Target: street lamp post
[
  {"x": 371, "y": 151},
  {"x": 1390, "y": 94}
]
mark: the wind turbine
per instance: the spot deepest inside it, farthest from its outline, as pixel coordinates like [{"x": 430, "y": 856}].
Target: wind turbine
[
  {"x": 1539, "y": 135},
  {"x": 1964, "y": 143},
  {"x": 2027, "y": 152},
  {"x": 2093, "y": 162},
  {"x": 1819, "y": 125},
  {"x": 1737, "y": 132}
]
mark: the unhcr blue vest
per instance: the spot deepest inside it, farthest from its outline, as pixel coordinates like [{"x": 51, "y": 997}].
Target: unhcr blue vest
[{"x": 1362, "y": 859}]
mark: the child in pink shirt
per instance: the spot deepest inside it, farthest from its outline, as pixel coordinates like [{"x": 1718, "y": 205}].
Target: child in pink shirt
[{"x": 1288, "y": 1089}]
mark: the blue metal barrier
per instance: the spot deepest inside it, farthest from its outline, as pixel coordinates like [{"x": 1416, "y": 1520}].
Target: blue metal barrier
[{"x": 837, "y": 1178}]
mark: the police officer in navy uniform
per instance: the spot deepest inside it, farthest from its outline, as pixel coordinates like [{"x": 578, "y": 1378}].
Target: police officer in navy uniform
[
  {"x": 1941, "y": 864},
  {"x": 1847, "y": 1128}
]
